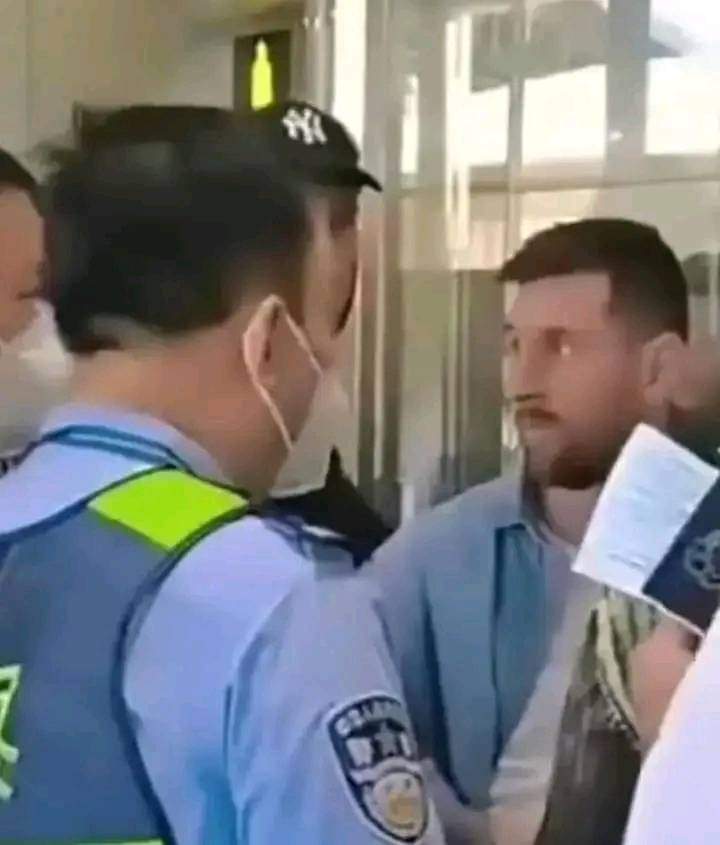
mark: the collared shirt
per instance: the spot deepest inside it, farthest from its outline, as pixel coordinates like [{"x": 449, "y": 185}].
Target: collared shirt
[
  {"x": 253, "y": 666},
  {"x": 475, "y": 598},
  {"x": 522, "y": 783},
  {"x": 520, "y": 791}
]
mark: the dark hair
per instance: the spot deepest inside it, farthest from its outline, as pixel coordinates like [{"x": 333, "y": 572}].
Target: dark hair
[
  {"x": 170, "y": 236},
  {"x": 14, "y": 175},
  {"x": 145, "y": 123},
  {"x": 647, "y": 280},
  {"x": 98, "y": 129}
]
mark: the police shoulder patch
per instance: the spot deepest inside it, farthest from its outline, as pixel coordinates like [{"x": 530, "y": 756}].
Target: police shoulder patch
[{"x": 378, "y": 760}]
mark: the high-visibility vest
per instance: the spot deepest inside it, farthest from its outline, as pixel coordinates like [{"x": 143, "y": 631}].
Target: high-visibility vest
[{"x": 73, "y": 592}]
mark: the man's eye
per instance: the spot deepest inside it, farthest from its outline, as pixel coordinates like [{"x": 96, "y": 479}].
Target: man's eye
[
  {"x": 559, "y": 344},
  {"x": 511, "y": 346}
]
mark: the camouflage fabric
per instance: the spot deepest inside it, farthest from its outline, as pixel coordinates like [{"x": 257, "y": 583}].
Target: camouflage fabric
[
  {"x": 618, "y": 625},
  {"x": 598, "y": 760}
]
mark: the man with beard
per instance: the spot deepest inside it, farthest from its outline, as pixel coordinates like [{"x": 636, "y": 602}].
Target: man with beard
[{"x": 484, "y": 612}]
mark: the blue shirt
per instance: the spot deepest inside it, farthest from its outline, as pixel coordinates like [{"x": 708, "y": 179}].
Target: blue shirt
[
  {"x": 467, "y": 594},
  {"x": 264, "y": 700}
]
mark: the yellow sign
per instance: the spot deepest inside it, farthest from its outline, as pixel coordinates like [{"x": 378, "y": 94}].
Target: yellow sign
[{"x": 262, "y": 87}]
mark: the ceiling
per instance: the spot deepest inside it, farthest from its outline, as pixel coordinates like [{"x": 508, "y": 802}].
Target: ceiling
[{"x": 214, "y": 11}]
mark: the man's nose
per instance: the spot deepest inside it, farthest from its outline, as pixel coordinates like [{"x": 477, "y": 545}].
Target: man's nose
[{"x": 525, "y": 376}]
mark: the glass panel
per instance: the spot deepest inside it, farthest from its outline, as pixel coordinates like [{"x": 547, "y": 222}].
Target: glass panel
[
  {"x": 516, "y": 116},
  {"x": 564, "y": 118},
  {"x": 683, "y": 112},
  {"x": 683, "y": 107},
  {"x": 486, "y": 125}
]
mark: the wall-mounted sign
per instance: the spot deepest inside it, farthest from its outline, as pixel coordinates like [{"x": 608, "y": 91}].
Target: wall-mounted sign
[
  {"x": 262, "y": 78},
  {"x": 262, "y": 69}
]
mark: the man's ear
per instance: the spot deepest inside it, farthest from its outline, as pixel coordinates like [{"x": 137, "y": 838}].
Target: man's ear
[
  {"x": 697, "y": 382},
  {"x": 259, "y": 340},
  {"x": 661, "y": 368}
]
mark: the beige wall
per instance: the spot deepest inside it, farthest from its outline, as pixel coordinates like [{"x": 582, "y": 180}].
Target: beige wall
[{"x": 54, "y": 53}]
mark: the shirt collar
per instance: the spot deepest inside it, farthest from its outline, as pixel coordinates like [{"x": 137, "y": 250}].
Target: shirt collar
[
  {"x": 137, "y": 425},
  {"x": 522, "y": 508}
]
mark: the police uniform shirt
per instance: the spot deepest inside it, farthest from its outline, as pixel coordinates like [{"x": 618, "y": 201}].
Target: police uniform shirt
[{"x": 259, "y": 684}]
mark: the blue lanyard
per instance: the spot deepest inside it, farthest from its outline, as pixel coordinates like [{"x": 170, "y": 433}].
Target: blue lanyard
[{"x": 104, "y": 439}]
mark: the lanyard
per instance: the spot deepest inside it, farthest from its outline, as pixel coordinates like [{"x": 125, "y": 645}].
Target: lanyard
[{"x": 104, "y": 439}]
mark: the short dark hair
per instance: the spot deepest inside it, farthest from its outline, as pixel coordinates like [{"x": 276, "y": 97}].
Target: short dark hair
[
  {"x": 14, "y": 176},
  {"x": 647, "y": 281},
  {"x": 138, "y": 124},
  {"x": 170, "y": 236},
  {"x": 146, "y": 123}
]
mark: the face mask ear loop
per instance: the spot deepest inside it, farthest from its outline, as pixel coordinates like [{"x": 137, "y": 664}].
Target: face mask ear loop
[{"x": 268, "y": 401}]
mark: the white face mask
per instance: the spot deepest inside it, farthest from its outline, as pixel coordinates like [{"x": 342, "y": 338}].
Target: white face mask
[
  {"x": 34, "y": 376},
  {"x": 39, "y": 345},
  {"x": 308, "y": 463}
]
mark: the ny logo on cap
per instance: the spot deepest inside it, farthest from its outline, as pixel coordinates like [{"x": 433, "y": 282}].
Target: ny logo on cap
[{"x": 305, "y": 126}]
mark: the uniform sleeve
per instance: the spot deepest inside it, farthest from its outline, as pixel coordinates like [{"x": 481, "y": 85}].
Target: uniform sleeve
[
  {"x": 319, "y": 746},
  {"x": 676, "y": 798}
]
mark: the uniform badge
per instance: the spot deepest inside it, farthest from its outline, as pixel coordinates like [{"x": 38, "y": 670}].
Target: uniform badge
[
  {"x": 373, "y": 744},
  {"x": 702, "y": 560}
]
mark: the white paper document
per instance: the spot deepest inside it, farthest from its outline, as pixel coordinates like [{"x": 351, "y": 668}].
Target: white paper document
[{"x": 655, "y": 533}]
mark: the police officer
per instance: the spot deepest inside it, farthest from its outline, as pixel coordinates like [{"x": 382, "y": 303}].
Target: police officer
[
  {"x": 313, "y": 484},
  {"x": 172, "y": 667}
]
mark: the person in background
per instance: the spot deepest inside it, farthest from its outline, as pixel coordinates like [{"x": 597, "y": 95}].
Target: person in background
[
  {"x": 174, "y": 668},
  {"x": 33, "y": 366},
  {"x": 633, "y": 659},
  {"x": 673, "y": 675},
  {"x": 484, "y": 613},
  {"x": 312, "y": 485}
]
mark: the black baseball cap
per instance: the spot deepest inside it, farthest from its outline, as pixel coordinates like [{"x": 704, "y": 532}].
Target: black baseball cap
[{"x": 314, "y": 143}]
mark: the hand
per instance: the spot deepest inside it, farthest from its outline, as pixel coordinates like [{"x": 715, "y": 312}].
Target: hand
[
  {"x": 462, "y": 825},
  {"x": 695, "y": 399},
  {"x": 657, "y": 666}
]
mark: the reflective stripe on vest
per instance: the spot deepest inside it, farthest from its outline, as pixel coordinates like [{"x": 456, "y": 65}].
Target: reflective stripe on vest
[{"x": 167, "y": 506}]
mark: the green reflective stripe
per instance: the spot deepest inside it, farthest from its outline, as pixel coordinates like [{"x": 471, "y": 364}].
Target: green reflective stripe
[
  {"x": 124, "y": 842},
  {"x": 168, "y": 506},
  {"x": 110, "y": 842}
]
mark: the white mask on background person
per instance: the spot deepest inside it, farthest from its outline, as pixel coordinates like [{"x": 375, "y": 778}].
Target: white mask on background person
[
  {"x": 35, "y": 371},
  {"x": 308, "y": 462},
  {"x": 40, "y": 346}
]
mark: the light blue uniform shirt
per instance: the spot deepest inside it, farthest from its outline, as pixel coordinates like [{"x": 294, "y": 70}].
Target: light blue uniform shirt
[{"x": 264, "y": 700}]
